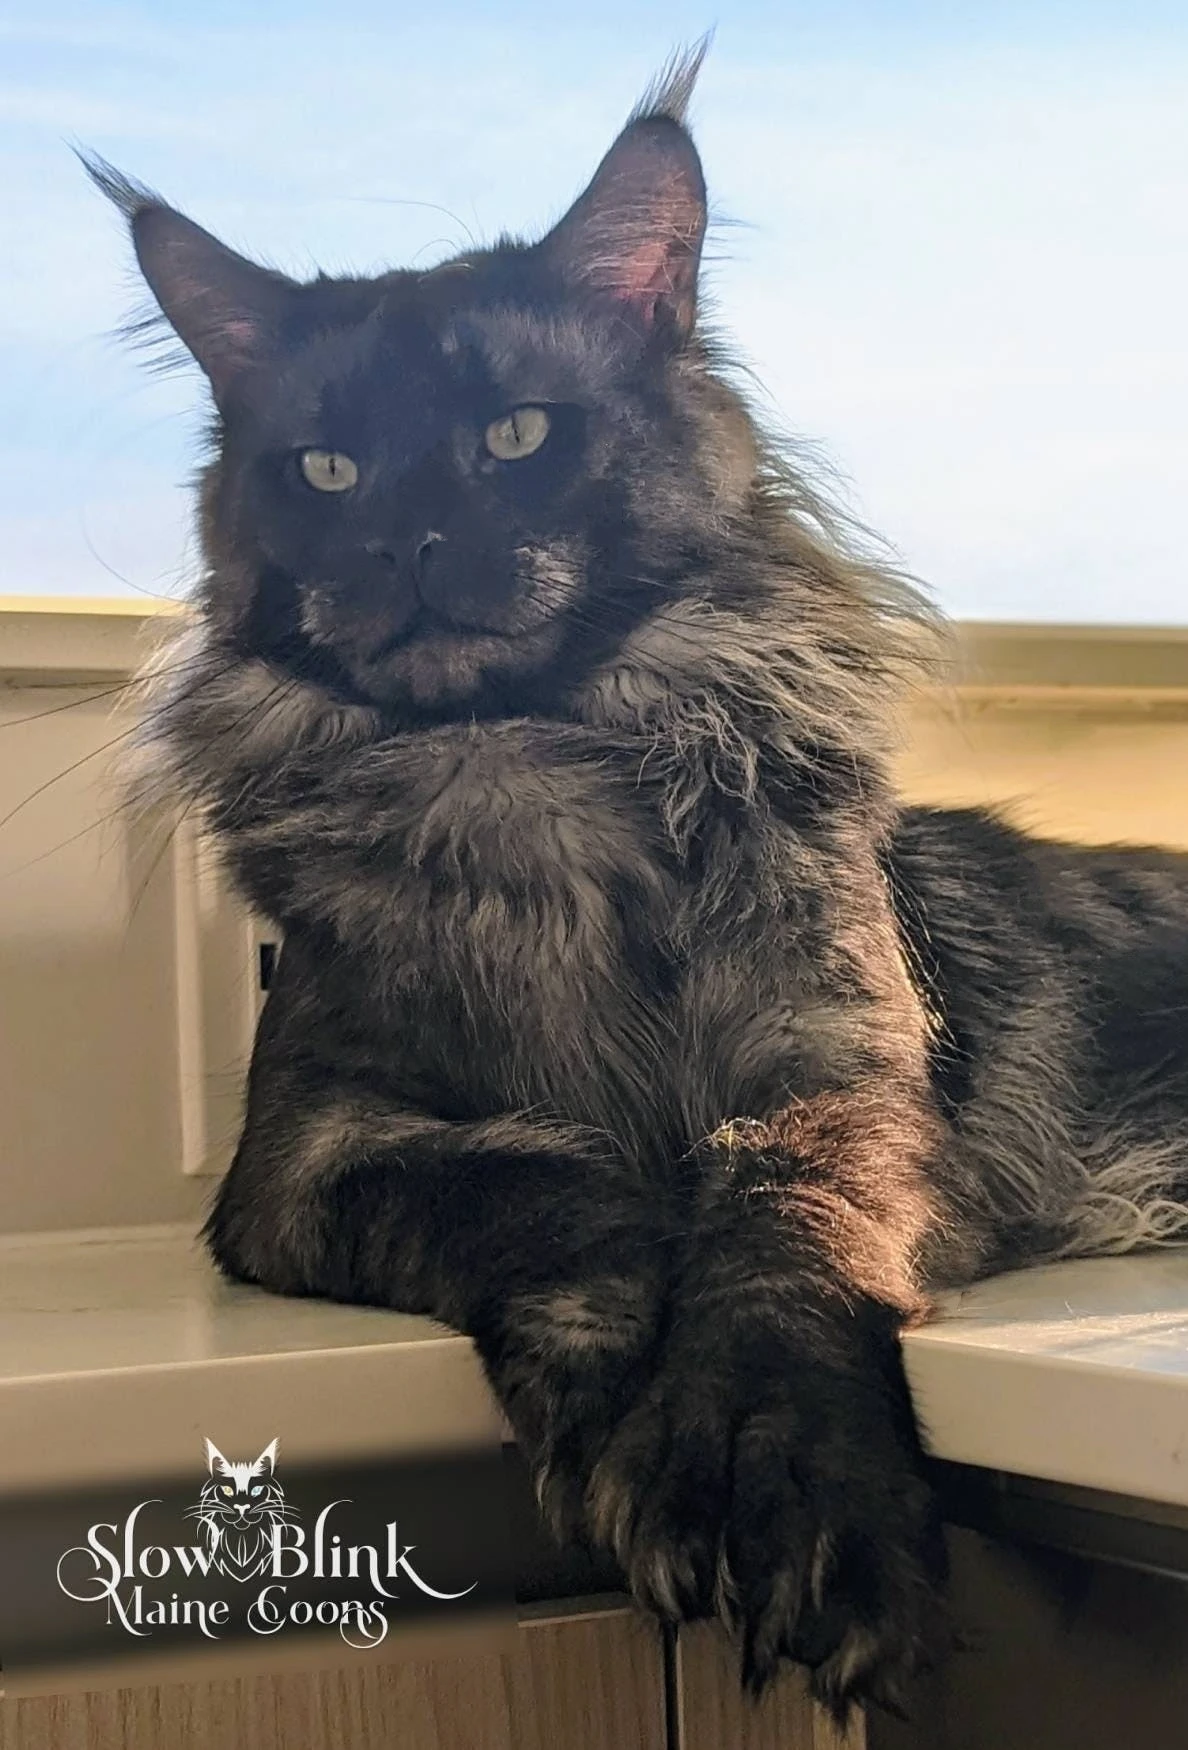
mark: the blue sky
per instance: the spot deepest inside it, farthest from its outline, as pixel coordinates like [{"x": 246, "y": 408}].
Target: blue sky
[{"x": 958, "y": 256}]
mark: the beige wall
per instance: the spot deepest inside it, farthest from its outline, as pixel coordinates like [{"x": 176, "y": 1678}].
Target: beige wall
[
  {"x": 1082, "y": 732},
  {"x": 89, "y": 1110},
  {"x": 1066, "y": 769}
]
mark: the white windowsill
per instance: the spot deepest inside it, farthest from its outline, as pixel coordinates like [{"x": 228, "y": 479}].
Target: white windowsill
[
  {"x": 119, "y": 1351},
  {"x": 1076, "y": 1373}
]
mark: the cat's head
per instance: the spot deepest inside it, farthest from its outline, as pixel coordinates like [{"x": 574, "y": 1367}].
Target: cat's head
[
  {"x": 235, "y": 1493},
  {"x": 517, "y": 483},
  {"x": 455, "y": 491}
]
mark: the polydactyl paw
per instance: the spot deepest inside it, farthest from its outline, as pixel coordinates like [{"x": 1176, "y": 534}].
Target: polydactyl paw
[{"x": 807, "y": 1528}]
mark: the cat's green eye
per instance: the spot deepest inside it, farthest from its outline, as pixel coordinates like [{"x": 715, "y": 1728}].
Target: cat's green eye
[
  {"x": 519, "y": 433},
  {"x": 227, "y": 1489},
  {"x": 328, "y": 470}
]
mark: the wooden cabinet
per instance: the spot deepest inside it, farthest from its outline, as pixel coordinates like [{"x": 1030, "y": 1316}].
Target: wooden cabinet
[
  {"x": 602, "y": 1681},
  {"x": 1073, "y": 1620},
  {"x": 578, "y": 1683},
  {"x": 713, "y": 1714},
  {"x": 1060, "y": 1651}
]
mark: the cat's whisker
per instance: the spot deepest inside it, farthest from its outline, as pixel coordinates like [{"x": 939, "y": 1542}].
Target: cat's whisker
[
  {"x": 251, "y": 718},
  {"x": 128, "y": 805},
  {"x": 133, "y": 685},
  {"x": 94, "y": 698},
  {"x": 430, "y": 206},
  {"x": 67, "y": 771},
  {"x": 139, "y": 588}
]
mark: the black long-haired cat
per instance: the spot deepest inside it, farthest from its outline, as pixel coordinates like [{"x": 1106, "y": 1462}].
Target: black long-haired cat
[{"x": 624, "y": 1020}]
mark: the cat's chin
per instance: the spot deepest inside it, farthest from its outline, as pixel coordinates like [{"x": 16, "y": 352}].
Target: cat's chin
[{"x": 444, "y": 673}]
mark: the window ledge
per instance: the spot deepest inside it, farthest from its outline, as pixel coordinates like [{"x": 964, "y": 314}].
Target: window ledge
[
  {"x": 64, "y": 640},
  {"x": 1074, "y": 1373},
  {"x": 120, "y": 1349}
]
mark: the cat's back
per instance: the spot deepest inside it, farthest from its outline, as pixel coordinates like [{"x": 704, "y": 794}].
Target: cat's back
[{"x": 1081, "y": 950}]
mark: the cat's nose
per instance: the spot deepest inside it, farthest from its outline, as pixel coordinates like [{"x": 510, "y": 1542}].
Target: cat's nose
[{"x": 422, "y": 551}]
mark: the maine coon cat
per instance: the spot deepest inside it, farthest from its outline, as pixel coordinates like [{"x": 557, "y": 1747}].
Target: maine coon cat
[{"x": 624, "y": 1020}]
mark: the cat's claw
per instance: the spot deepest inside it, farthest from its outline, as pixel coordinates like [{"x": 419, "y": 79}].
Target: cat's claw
[{"x": 827, "y": 1554}]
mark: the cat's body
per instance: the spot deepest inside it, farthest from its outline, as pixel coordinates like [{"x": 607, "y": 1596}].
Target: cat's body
[
  {"x": 1057, "y": 975},
  {"x": 623, "y": 1019}
]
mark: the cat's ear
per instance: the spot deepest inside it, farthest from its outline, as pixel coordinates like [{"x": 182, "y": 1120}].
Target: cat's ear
[
  {"x": 226, "y": 311},
  {"x": 632, "y": 240},
  {"x": 267, "y": 1459},
  {"x": 215, "y": 1459}
]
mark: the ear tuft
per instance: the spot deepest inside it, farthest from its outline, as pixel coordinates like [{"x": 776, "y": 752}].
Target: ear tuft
[
  {"x": 633, "y": 239},
  {"x": 122, "y": 191},
  {"x": 215, "y": 1459},
  {"x": 267, "y": 1459},
  {"x": 671, "y": 91},
  {"x": 225, "y": 310}
]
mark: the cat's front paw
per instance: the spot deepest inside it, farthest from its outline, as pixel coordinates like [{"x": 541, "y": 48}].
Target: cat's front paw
[{"x": 794, "y": 1510}]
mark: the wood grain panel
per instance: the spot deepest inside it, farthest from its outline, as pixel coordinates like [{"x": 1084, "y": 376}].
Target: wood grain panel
[
  {"x": 592, "y": 1683},
  {"x": 589, "y": 1684},
  {"x": 713, "y": 1714},
  {"x": 415, "y": 1707}
]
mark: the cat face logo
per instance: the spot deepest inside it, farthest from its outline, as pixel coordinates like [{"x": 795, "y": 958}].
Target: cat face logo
[{"x": 240, "y": 1507}]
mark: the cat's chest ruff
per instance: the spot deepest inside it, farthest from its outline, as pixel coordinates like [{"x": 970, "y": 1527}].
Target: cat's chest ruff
[
  {"x": 519, "y": 925},
  {"x": 486, "y": 854}
]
